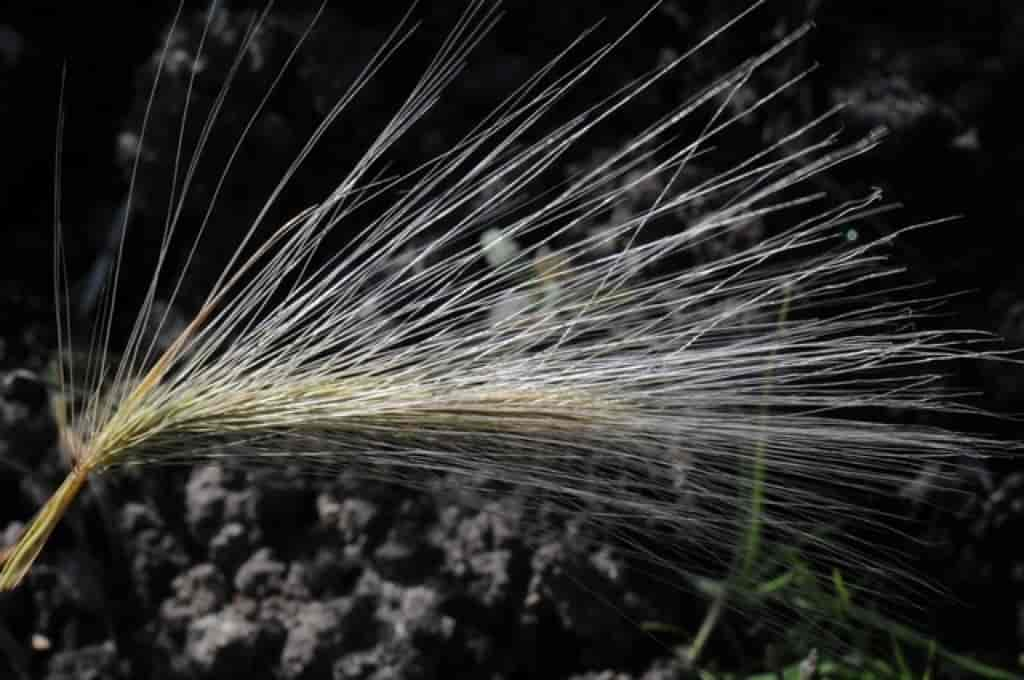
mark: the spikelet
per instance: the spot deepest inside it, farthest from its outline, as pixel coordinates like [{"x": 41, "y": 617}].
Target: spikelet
[{"x": 585, "y": 367}]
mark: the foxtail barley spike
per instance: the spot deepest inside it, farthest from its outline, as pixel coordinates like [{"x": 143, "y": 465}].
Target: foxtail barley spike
[{"x": 581, "y": 365}]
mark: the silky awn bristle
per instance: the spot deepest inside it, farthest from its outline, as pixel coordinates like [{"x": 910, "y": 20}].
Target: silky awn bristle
[{"x": 520, "y": 345}]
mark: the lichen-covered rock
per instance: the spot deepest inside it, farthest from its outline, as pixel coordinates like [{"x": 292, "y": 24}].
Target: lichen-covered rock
[
  {"x": 94, "y": 662},
  {"x": 261, "y": 575},
  {"x": 228, "y": 644},
  {"x": 156, "y": 557},
  {"x": 229, "y": 546},
  {"x": 136, "y": 517},
  {"x": 199, "y": 591},
  {"x": 315, "y": 639},
  {"x": 205, "y": 501}
]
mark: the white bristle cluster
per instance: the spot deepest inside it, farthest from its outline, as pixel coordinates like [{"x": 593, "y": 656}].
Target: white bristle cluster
[{"x": 465, "y": 331}]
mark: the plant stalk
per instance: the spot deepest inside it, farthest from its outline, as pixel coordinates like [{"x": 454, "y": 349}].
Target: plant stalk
[{"x": 18, "y": 558}]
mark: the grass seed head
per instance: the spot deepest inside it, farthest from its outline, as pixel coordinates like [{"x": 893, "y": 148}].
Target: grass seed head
[{"x": 574, "y": 346}]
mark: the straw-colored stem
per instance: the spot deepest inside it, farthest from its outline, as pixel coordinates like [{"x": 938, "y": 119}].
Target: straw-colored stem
[{"x": 19, "y": 558}]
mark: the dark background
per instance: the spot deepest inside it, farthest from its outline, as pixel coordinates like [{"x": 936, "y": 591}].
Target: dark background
[{"x": 942, "y": 76}]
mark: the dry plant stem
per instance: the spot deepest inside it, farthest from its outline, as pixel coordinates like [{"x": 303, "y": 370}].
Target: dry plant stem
[{"x": 19, "y": 557}]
